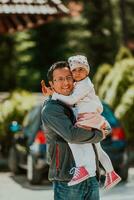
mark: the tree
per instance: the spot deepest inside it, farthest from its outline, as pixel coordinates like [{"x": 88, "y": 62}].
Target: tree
[
  {"x": 59, "y": 40},
  {"x": 126, "y": 15},
  {"x": 102, "y": 34},
  {"x": 27, "y": 71},
  {"x": 96, "y": 32},
  {"x": 7, "y": 67}
]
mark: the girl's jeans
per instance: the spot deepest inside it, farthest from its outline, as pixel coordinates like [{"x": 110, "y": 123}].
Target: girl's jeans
[{"x": 86, "y": 190}]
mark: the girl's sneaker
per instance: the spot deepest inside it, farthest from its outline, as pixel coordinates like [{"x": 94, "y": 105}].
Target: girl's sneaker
[
  {"x": 112, "y": 179},
  {"x": 80, "y": 174}
]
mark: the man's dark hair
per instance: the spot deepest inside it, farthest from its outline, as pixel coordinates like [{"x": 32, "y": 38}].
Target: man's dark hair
[{"x": 57, "y": 65}]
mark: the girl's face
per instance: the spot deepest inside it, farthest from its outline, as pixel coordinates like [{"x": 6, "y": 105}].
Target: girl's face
[{"x": 79, "y": 73}]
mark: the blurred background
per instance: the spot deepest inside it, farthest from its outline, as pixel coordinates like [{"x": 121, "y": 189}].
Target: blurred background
[{"x": 35, "y": 34}]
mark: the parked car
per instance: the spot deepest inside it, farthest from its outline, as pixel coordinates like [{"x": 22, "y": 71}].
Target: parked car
[
  {"x": 28, "y": 149},
  {"x": 115, "y": 144}
]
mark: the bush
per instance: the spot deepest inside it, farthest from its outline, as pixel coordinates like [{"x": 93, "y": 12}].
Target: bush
[
  {"x": 101, "y": 74},
  {"x": 14, "y": 108},
  {"x": 123, "y": 53},
  {"x": 117, "y": 89},
  {"x": 117, "y": 82},
  {"x": 125, "y": 112}
]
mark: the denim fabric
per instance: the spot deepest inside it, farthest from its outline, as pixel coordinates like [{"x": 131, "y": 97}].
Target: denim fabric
[{"x": 86, "y": 190}]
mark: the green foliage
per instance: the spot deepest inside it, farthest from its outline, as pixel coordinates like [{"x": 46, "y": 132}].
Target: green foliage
[
  {"x": 117, "y": 82},
  {"x": 16, "y": 56},
  {"x": 59, "y": 40},
  {"x": 101, "y": 47},
  {"x": 117, "y": 89},
  {"x": 123, "y": 53},
  {"x": 102, "y": 72},
  {"x": 14, "y": 108},
  {"x": 129, "y": 6},
  {"x": 125, "y": 111},
  {"x": 27, "y": 73},
  {"x": 7, "y": 68},
  {"x": 26, "y": 56}
]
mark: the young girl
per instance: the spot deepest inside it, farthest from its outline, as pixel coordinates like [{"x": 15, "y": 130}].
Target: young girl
[{"x": 89, "y": 109}]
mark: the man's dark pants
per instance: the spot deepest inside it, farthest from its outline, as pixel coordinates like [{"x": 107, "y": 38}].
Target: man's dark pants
[{"x": 86, "y": 190}]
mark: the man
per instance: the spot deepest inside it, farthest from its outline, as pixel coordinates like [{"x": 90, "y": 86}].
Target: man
[{"x": 59, "y": 121}]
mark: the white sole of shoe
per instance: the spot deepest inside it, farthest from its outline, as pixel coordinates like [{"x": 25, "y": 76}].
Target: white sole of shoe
[
  {"x": 113, "y": 184},
  {"x": 79, "y": 181}
]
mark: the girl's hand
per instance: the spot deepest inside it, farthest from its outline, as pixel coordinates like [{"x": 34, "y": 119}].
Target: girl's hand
[{"x": 47, "y": 91}]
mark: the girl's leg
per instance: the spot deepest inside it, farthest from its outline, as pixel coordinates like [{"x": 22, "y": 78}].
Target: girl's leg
[
  {"x": 112, "y": 178},
  {"x": 85, "y": 163},
  {"x": 104, "y": 158},
  {"x": 83, "y": 154}
]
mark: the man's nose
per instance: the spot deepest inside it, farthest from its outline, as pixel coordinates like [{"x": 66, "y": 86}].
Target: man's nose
[{"x": 66, "y": 81}]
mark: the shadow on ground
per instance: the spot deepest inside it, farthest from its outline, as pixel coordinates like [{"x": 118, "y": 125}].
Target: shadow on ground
[
  {"x": 3, "y": 165},
  {"x": 22, "y": 180}
]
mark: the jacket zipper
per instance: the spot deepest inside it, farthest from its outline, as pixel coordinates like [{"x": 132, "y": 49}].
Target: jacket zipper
[{"x": 57, "y": 157}]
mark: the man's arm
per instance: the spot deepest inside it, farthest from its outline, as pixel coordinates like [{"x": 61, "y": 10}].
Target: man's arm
[{"x": 54, "y": 117}]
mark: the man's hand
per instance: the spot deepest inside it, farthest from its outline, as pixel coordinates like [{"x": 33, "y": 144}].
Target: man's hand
[
  {"x": 106, "y": 129},
  {"x": 47, "y": 91}
]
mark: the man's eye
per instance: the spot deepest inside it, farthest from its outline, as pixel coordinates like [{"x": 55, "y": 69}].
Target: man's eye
[
  {"x": 60, "y": 79},
  {"x": 69, "y": 78}
]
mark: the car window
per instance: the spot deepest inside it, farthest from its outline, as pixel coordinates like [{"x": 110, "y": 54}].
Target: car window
[{"x": 32, "y": 121}]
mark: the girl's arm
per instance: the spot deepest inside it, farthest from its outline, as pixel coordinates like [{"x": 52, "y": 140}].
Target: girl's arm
[{"x": 81, "y": 89}]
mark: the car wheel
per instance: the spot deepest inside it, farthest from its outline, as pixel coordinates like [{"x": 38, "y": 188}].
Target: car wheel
[
  {"x": 34, "y": 175},
  {"x": 13, "y": 161},
  {"x": 123, "y": 171}
]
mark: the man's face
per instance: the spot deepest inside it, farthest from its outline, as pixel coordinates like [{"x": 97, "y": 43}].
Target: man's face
[{"x": 62, "y": 81}]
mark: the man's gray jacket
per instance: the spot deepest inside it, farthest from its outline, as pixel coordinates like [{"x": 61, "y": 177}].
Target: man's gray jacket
[{"x": 58, "y": 120}]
